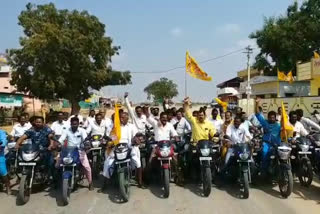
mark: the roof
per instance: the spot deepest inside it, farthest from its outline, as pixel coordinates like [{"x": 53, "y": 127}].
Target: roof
[{"x": 234, "y": 82}]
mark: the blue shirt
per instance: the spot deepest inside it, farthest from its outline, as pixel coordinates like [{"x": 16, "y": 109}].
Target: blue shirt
[
  {"x": 39, "y": 136},
  {"x": 3, "y": 139},
  {"x": 271, "y": 130}
]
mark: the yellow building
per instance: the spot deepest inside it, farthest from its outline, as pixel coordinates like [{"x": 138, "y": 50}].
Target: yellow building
[{"x": 310, "y": 71}]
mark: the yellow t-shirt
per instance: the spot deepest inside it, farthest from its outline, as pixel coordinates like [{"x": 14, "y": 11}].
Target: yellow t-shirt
[{"x": 200, "y": 131}]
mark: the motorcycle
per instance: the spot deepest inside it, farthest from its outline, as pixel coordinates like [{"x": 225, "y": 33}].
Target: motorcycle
[
  {"x": 34, "y": 169},
  {"x": 315, "y": 158},
  {"x": 71, "y": 171},
  {"x": 205, "y": 154},
  {"x": 164, "y": 152},
  {"x": 301, "y": 163},
  {"x": 12, "y": 160},
  {"x": 280, "y": 168},
  {"x": 122, "y": 166},
  {"x": 240, "y": 163},
  {"x": 96, "y": 154}
]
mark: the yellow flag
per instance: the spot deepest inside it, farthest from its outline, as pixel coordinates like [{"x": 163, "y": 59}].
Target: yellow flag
[
  {"x": 290, "y": 77},
  {"x": 194, "y": 70},
  {"x": 316, "y": 55},
  {"x": 116, "y": 131},
  {"x": 283, "y": 77},
  {"x": 286, "y": 127},
  {"x": 223, "y": 104}
]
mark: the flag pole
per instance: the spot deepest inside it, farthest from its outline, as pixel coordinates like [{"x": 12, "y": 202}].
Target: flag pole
[{"x": 185, "y": 84}]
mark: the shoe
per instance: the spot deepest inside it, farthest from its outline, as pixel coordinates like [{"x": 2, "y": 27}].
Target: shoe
[{"x": 91, "y": 188}]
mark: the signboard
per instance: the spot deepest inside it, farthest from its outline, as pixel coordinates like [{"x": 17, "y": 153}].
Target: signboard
[
  {"x": 304, "y": 71},
  {"x": 315, "y": 67},
  {"x": 11, "y": 100}
]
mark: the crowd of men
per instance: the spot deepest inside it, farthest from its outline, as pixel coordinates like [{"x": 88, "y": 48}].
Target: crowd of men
[{"x": 232, "y": 127}]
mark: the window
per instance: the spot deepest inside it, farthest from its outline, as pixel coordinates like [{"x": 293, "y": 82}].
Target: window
[{"x": 6, "y": 87}]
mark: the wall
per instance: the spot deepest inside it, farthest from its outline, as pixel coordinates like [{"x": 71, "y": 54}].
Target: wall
[
  {"x": 265, "y": 88},
  {"x": 314, "y": 86},
  {"x": 28, "y": 103}
]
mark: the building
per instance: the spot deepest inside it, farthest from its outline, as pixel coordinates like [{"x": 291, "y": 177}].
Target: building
[
  {"x": 9, "y": 97},
  {"x": 229, "y": 90},
  {"x": 310, "y": 71}
]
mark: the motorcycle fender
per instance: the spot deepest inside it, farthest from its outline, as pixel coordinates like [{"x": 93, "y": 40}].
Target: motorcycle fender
[
  {"x": 205, "y": 163},
  {"x": 244, "y": 168},
  {"x": 67, "y": 175},
  {"x": 166, "y": 166},
  {"x": 285, "y": 166}
]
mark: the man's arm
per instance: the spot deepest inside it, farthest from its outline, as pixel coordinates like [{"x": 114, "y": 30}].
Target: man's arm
[
  {"x": 311, "y": 123},
  {"x": 63, "y": 137},
  {"x": 186, "y": 108},
  {"x": 20, "y": 140},
  {"x": 89, "y": 129},
  {"x": 129, "y": 107}
]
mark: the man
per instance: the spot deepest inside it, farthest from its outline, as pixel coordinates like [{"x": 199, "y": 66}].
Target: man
[
  {"x": 246, "y": 124},
  {"x": 253, "y": 119},
  {"x": 75, "y": 137},
  {"x": 98, "y": 127},
  {"x": 171, "y": 117},
  {"x": 317, "y": 116},
  {"x": 298, "y": 128},
  {"x": 227, "y": 122},
  {"x": 59, "y": 126},
  {"x": 80, "y": 117},
  {"x": 182, "y": 126},
  {"x": 19, "y": 129},
  {"x": 3, "y": 167},
  {"x": 138, "y": 118},
  {"x": 155, "y": 113},
  {"x": 308, "y": 124},
  {"x": 235, "y": 134},
  {"x": 108, "y": 121},
  {"x": 43, "y": 135},
  {"x": 90, "y": 119},
  {"x": 128, "y": 136},
  {"x": 44, "y": 112},
  {"x": 217, "y": 123},
  {"x": 271, "y": 129},
  {"x": 238, "y": 111},
  {"x": 202, "y": 129},
  {"x": 195, "y": 114},
  {"x": 279, "y": 114}
]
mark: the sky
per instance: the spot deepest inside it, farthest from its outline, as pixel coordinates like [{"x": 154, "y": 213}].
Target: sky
[{"x": 155, "y": 35}]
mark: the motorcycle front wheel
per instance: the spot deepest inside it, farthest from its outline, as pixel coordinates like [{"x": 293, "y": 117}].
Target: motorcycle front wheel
[
  {"x": 305, "y": 172},
  {"x": 166, "y": 183},
  {"x": 66, "y": 191},
  {"x": 24, "y": 190},
  {"x": 245, "y": 192},
  {"x": 124, "y": 185},
  {"x": 206, "y": 181},
  {"x": 95, "y": 167},
  {"x": 285, "y": 182}
]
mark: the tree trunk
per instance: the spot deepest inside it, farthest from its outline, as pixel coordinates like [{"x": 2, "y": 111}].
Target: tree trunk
[{"x": 75, "y": 107}]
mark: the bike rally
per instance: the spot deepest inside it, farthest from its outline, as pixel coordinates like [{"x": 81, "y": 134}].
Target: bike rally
[{"x": 160, "y": 107}]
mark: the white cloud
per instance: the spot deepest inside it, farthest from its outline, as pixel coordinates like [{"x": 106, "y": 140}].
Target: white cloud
[
  {"x": 176, "y": 32},
  {"x": 229, "y": 28}
]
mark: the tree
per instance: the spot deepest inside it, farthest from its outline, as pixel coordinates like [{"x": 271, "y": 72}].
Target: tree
[
  {"x": 63, "y": 54},
  {"x": 285, "y": 40},
  {"x": 160, "y": 89}
]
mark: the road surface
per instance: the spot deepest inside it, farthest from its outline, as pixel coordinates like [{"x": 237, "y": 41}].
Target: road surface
[{"x": 185, "y": 200}]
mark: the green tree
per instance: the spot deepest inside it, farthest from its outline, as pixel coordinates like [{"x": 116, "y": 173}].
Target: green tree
[
  {"x": 287, "y": 39},
  {"x": 63, "y": 54},
  {"x": 160, "y": 89}
]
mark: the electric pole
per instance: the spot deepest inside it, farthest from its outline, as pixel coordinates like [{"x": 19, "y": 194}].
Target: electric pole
[{"x": 248, "y": 88}]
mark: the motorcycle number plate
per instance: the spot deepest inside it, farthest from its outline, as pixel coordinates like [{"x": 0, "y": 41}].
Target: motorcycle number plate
[
  {"x": 164, "y": 158},
  {"x": 205, "y": 158},
  {"x": 194, "y": 151},
  {"x": 303, "y": 153},
  {"x": 317, "y": 149},
  {"x": 26, "y": 164},
  {"x": 254, "y": 154}
]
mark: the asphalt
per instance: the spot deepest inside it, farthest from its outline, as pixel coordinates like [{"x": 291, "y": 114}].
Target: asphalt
[{"x": 264, "y": 199}]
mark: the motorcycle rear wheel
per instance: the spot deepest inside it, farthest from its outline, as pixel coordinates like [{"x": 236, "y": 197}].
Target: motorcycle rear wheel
[
  {"x": 24, "y": 190},
  {"x": 305, "y": 172}
]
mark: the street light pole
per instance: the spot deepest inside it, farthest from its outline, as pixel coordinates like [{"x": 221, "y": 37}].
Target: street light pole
[{"x": 248, "y": 89}]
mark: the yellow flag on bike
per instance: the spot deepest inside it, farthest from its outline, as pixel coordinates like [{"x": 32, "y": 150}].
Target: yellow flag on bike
[
  {"x": 286, "y": 127},
  {"x": 223, "y": 104},
  {"x": 194, "y": 70},
  {"x": 116, "y": 131}
]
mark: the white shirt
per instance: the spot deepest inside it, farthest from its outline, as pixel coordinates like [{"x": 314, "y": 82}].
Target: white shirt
[
  {"x": 183, "y": 127},
  {"x": 73, "y": 138},
  {"x": 109, "y": 125},
  {"x": 253, "y": 119},
  {"x": 239, "y": 135},
  {"x": 18, "y": 130},
  {"x": 139, "y": 122},
  {"x": 309, "y": 125},
  {"x": 59, "y": 128},
  {"x": 173, "y": 121},
  {"x": 317, "y": 116},
  {"x": 88, "y": 121},
  {"x": 299, "y": 129},
  {"x": 97, "y": 129},
  {"x": 162, "y": 132},
  {"x": 128, "y": 131},
  {"x": 217, "y": 124}
]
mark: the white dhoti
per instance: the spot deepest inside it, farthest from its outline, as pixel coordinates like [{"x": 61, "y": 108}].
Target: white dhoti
[{"x": 108, "y": 167}]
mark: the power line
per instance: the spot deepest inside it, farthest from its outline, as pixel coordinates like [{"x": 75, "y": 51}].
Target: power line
[{"x": 180, "y": 67}]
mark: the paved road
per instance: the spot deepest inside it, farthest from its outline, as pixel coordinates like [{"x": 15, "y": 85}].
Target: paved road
[{"x": 263, "y": 199}]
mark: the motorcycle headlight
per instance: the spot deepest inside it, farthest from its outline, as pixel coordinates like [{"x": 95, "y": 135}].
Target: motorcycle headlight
[
  {"x": 122, "y": 155},
  {"x": 28, "y": 157},
  {"x": 284, "y": 152},
  {"x": 317, "y": 143},
  {"x": 244, "y": 156},
  {"x": 11, "y": 145},
  {"x": 205, "y": 152},
  {"x": 67, "y": 160},
  {"x": 304, "y": 148},
  {"x": 95, "y": 144},
  {"x": 164, "y": 152}
]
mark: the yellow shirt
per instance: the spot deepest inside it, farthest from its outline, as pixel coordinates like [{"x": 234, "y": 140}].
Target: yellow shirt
[{"x": 200, "y": 131}]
